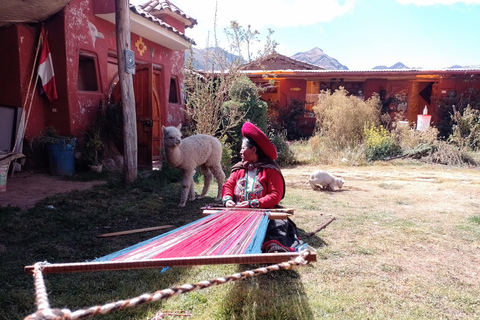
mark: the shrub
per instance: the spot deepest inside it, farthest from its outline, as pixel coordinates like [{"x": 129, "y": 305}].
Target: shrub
[
  {"x": 226, "y": 155},
  {"x": 448, "y": 154},
  {"x": 285, "y": 154},
  {"x": 455, "y": 102},
  {"x": 246, "y": 100},
  {"x": 289, "y": 119},
  {"x": 342, "y": 118},
  {"x": 380, "y": 144},
  {"x": 316, "y": 151},
  {"x": 466, "y": 129},
  {"x": 408, "y": 138}
]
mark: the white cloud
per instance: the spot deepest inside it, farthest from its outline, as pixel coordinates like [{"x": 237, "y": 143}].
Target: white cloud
[
  {"x": 435, "y": 2},
  {"x": 273, "y": 14},
  {"x": 285, "y": 13}
]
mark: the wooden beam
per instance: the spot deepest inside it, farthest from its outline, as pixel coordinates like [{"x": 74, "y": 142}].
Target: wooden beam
[
  {"x": 286, "y": 210},
  {"x": 119, "y": 233},
  {"x": 271, "y": 215},
  {"x": 122, "y": 21},
  {"x": 267, "y": 258}
]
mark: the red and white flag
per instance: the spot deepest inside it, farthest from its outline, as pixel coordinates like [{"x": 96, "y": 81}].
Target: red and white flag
[{"x": 45, "y": 70}]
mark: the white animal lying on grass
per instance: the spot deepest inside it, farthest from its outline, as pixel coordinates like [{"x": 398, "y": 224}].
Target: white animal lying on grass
[
  {"x": 320, "y": 179},
  {"x": 187, "y": 154}
]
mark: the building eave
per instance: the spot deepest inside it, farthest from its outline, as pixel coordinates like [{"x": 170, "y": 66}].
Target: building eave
[
  {"x": 414, "y": 74},
  {"x": 155, "y": 31}
]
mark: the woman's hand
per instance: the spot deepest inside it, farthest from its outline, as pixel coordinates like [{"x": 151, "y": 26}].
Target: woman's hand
[
  {"x": 243, "y": 204},
  {"x": 230, "y": 203}
]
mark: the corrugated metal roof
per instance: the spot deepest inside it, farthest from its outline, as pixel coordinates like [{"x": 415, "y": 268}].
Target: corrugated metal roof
[{"x": 372, "y": 71}]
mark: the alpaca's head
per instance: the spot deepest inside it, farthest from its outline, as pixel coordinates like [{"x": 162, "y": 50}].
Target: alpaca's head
[
  {"x": 172, "y": 137},
  {"x": 339, "y": 182}
]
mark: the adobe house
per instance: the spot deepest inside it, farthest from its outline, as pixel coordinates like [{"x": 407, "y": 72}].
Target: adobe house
[
  {"x": 82, "y": 39},
  {"x": 409, "y": 90}
]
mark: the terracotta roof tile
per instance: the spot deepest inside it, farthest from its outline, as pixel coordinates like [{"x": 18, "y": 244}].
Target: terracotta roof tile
[
  {"x": 155, "y": 7},
  {"x": 138, "y": 10}
]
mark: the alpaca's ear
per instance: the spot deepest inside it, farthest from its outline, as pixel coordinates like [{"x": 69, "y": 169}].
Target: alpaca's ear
[
  {"x": 164, "y": 129},
  {"x": 179, "y": 127}
]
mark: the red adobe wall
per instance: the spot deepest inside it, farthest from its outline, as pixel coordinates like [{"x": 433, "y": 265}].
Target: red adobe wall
[
  {"x": 292, "y": 89},
  {"x": 18, "y": 43},
  {"x": 68, "y": 35}
]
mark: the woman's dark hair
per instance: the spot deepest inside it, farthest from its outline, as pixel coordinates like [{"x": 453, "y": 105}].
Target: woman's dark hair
[{"x": 250, "y": 143}]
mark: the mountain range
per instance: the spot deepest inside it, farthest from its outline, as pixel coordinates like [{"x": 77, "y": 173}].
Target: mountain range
[{"x": 315, "y": 56}]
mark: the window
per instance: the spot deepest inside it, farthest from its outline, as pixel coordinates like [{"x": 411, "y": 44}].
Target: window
[
  {"x": 87, "y": 73},
  {"x": 173, "y": 96}
]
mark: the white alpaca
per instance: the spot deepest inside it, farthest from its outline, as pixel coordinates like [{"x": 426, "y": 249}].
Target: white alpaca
[
  {"x": 187, "y": 154},
  {"x": 320, "y": 179}
]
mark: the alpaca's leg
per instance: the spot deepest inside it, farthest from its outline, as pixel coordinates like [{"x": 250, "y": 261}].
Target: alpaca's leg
[
  {"x": 207, "y": 179},
  {"x": 187, "y": 187},
  {"x": 331, "y": 186},
  {"x": 191, "y": 190},
  {"x": 220, "y": 177}
]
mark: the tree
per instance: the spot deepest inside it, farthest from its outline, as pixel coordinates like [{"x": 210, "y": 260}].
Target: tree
[{"x": 207, "y": 91}]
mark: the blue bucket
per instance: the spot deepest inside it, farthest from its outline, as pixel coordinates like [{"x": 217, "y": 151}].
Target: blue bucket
[{"x": 61, "y": 157}]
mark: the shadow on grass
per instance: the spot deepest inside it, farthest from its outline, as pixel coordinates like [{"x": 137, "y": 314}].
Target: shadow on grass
[
  {"x": 64, "y": 229},
  {"x": 275, "y": 295}
]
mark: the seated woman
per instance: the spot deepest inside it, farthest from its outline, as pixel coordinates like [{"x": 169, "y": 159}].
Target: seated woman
[{"x": 257, "y": 182}]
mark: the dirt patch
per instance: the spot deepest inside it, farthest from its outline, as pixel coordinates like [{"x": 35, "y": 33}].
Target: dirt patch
[{"x": 25, "y": 189}]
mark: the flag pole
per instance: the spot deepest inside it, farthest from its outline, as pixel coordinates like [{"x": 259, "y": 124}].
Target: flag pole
[{"x": 40, "y": 41}]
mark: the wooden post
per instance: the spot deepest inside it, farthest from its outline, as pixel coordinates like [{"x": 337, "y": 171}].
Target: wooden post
[{"x": 122, "y": 21}]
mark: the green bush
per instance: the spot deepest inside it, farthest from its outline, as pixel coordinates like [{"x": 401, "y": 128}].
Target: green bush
[
  {"x": 466, "y": 129},
  {"x": 226, "y": 155},
  {"x": 454, "y": 102},
  {"x": 285, "y": 154},
  {"x": 246, "y": 100},
  {"x": 289, "y": 119},
  {"x": 379, "y": 144}
]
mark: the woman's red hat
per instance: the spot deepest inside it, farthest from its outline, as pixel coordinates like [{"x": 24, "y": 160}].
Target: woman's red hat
[{"x": 251, "y": 131}]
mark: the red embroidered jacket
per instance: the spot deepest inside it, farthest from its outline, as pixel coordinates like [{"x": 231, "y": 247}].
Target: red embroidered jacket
[{"x": 268, "y": 188}]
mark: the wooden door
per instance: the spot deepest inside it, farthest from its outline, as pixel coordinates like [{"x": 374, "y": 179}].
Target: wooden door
[{"x": 146, "y": 84}]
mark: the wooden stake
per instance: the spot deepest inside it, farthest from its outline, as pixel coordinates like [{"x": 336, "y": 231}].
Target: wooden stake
[
  {"x": 113, "y": 234},
  {"x": 323, "y": 226}
]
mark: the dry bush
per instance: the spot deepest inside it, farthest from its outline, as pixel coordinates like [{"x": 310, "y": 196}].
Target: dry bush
[
  {"x": 341, "y": 118},
  {"x": 409, "y": 138},
  {"x": 315, "y": 151},
  {"x": 449, "y": 154}
]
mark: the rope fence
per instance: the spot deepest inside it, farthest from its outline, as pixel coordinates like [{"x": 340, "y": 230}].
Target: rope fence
[{"x": 44, "y": 312}]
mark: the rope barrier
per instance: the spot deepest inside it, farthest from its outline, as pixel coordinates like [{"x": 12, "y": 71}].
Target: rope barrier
[{"x": 46, "y": 313}]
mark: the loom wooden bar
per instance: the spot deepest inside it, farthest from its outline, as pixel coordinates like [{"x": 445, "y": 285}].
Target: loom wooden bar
[
  {"x": 269, "y": 258},
  {"x": 286, "y": 210},
  {"x": 112, "y": 234},
  {"x": 271, "y": 215}
]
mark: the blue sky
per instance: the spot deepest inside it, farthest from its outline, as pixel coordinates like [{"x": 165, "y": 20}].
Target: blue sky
[{"x": 360, "y": 34}]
